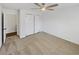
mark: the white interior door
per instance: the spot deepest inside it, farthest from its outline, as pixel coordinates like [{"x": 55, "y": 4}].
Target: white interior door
[
  {"x": 4, "y": 28},
  {"x": 27, "y": 25}
]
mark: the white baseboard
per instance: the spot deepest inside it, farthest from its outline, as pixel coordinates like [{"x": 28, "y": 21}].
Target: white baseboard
[
  {"x": 75, "y": 42},
  {"x": 0, "y": 44}
]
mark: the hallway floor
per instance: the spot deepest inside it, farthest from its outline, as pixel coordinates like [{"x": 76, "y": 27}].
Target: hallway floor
[{"x": 38, "y": 44}]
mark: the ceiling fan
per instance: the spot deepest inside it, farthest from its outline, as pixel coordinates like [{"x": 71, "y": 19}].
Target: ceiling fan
[{"x": 44, "y": 7}]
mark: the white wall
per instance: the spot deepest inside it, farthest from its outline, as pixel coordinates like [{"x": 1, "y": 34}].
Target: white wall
[
  {"x": 11, "y": 17},
  {"x": 63, "y": 23},
  {"x": 0, "y": 28},
  {"x": 18, "y": 23}
]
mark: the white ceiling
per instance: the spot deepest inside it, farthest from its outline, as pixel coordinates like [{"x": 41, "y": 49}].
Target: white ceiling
[{"x": 31, "y": 5}]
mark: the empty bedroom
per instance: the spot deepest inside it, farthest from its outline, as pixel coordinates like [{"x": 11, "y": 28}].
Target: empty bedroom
[{"x": 39, "y": 28}]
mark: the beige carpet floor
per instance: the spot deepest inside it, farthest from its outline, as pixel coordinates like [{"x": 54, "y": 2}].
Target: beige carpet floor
[{"x": 38, "y": 44}]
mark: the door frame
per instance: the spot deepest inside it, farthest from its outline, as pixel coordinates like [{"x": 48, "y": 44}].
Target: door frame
[{"x": 2, "y": 28}]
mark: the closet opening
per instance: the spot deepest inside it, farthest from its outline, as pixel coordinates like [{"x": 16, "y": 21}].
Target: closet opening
[{"x": 11, "y": 25}]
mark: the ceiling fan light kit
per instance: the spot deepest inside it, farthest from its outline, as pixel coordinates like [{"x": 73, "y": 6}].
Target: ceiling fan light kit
[{"x": 43, "y": 9}]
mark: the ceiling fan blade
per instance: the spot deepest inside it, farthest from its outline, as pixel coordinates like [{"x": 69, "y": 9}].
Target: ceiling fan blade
[
  {"x": 51, "y": 9},
  {"x": 37, "y": 4},
  {"x": 52, "y": 5},
  {"x": 43, "y": 4}
]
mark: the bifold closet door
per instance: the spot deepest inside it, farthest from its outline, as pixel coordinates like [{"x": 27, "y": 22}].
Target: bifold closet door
[
  {"x": 37, "y": 23},
  {"x": 27, "y": 25}
]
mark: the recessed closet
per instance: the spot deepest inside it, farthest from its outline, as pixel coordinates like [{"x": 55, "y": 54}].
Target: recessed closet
[{"x": 29, "y": 23}]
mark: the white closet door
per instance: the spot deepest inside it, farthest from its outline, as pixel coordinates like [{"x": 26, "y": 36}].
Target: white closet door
[
  {"x": 27, "y": 25},
  {"x": 37, "y": 24}
]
